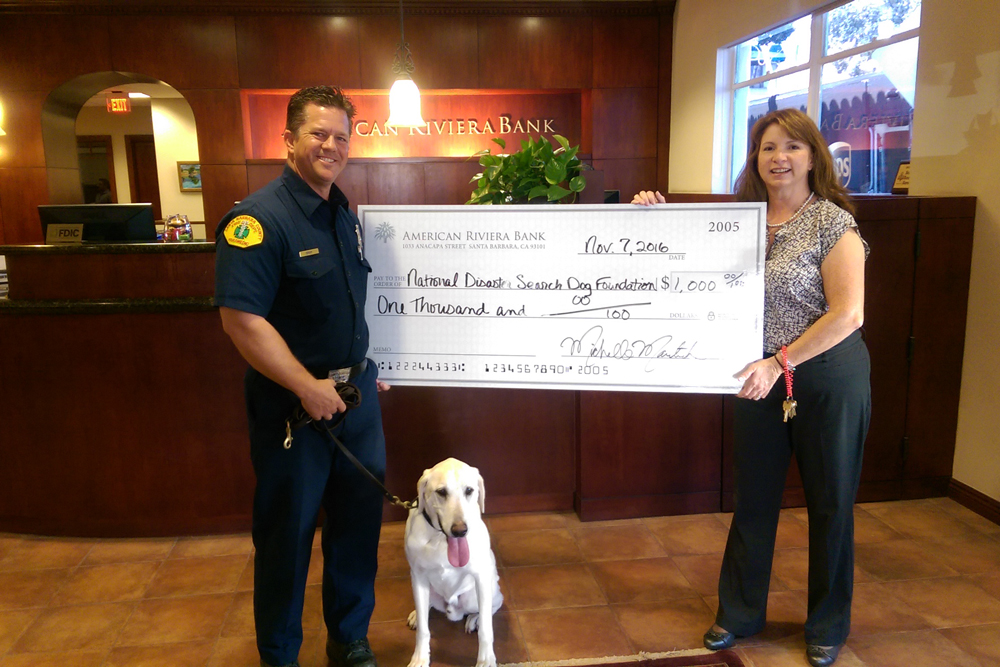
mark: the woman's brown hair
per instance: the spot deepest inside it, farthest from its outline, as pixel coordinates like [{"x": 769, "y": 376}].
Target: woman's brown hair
[{"x": 822, "y": 178}]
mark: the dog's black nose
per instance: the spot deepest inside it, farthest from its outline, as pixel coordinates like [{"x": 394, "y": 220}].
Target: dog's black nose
[{"x": 459, "y": 529}]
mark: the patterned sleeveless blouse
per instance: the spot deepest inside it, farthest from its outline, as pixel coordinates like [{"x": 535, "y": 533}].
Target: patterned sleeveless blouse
[{"x": 793, "y": 284}]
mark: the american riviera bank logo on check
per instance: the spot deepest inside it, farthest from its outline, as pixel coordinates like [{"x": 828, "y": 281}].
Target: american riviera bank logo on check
[{"x": 474, "y": 240}]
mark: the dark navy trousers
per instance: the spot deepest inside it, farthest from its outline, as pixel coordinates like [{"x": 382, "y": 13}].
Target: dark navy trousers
[
  {"x": 827, "y": 437},
  {"x": 292, "y": 485}
]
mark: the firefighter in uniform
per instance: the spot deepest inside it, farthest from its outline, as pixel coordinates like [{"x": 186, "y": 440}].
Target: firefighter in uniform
[{"x": 291, "y": 281}]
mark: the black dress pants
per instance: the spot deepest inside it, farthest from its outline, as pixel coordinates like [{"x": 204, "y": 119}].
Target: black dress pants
[
  {"x": 292, "y": 485},
  {"x": 827, "y": 437}
]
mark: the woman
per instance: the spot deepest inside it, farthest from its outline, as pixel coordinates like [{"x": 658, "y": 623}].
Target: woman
[{"x": 813, "y": 309}]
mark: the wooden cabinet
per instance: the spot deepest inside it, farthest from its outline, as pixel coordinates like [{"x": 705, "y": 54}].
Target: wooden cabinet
[
  {"x": 940, "y": 303},
  {"x": 889, "y": 227}
]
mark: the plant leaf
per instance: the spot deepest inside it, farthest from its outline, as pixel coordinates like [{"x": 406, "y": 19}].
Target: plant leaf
[
  {"x": 500, "y": 142},
  {"x": 545, "y": 150},
  {"x": 538, "y": 191},
  {"x": 577, "y": 184},
  {"x": 563, "y": 141},
  {"x": 557, "y": 192},
  {"x": 555, "y": 172}
]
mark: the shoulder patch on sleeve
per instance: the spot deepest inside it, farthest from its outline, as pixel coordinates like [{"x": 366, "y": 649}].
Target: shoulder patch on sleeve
[{"x": 244, "y": 231}]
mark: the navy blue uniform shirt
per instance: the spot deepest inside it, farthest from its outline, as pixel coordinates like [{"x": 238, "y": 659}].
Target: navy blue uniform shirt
[{"x": 307, "y": 276}]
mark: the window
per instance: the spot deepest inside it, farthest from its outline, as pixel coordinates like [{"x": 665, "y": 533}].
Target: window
[{"x": 852, "y": 68}]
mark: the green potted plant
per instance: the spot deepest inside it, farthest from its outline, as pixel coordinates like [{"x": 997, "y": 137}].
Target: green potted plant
[{"x": 538, "y": 170}]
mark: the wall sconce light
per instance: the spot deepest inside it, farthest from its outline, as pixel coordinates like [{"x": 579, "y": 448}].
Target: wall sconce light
[{"x": 404, "y": 96}]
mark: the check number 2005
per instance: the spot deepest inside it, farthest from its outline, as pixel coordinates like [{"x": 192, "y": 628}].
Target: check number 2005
[
  {"x": 702, "y": 282},
  {"x": 543, "y": 369}
]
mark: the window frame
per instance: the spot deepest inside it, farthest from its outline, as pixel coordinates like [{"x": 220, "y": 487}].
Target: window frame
[{"x": 724, "y": 140}]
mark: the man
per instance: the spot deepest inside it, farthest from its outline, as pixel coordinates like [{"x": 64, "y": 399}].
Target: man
[
  {"x": 291, "y": 281},
  {"x": 103, "y": 191}
]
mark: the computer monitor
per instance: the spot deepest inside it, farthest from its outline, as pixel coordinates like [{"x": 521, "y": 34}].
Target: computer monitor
[{"x": 103, "y": 223}]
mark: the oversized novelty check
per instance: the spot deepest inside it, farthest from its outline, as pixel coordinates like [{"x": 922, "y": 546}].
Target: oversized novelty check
[{"x": 612, "y": 297}]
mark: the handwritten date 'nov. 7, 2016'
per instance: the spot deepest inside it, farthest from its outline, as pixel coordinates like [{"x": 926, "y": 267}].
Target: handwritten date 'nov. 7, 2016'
[{"x": 625, "y": 245}]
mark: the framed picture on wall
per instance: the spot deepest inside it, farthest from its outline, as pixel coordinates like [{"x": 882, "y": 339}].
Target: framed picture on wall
[{"x": 189, "y": 176}]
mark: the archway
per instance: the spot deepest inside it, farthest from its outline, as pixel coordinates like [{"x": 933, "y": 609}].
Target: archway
[{"x": 169, "y": 127}]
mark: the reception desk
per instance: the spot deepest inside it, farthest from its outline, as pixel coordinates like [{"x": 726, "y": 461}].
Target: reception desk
[{"x": 122, "y": 409}]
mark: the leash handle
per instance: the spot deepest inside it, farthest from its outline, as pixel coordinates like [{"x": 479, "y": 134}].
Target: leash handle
[{"x": 349, "y": 394}]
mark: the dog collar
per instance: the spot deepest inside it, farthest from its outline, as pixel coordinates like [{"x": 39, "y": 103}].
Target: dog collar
[{"x": 431, "y": 523}]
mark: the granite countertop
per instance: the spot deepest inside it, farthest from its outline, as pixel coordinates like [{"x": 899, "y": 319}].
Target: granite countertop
[
  {"x": 104, "y": 306},
  {"x": 108, "y": 248}
]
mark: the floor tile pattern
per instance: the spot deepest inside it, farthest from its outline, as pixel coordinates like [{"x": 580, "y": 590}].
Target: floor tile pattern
[{"x": 927, "y": 592}]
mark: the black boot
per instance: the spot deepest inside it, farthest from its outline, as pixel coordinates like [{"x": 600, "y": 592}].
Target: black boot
[{"x": 355, "y": 654}]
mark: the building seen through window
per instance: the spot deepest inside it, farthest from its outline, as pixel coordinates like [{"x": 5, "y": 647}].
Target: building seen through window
[{"x": 851, "y": 68}]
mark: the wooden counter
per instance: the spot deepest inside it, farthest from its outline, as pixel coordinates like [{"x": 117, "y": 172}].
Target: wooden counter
[
  {"x": 122, "y": 409},
  {"x": 111, "y": 271}
]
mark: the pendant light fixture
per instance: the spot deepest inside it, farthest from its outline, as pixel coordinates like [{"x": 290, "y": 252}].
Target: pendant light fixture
[{"x": 404, "y": 96}]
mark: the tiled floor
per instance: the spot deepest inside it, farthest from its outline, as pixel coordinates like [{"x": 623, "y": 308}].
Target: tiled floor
[{"x": 927, "y": 593}]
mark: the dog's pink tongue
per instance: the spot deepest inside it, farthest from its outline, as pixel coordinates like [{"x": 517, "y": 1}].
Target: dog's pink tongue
[{"x": 458, "y": 551}]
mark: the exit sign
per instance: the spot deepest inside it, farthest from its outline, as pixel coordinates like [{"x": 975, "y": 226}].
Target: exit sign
[{"x": 119, "y": 104}]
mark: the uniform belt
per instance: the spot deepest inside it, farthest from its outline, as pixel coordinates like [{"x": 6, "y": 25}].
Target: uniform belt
[{"x": 346, "y": 374}]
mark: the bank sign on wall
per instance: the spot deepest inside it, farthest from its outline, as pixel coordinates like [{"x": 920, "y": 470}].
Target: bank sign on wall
[{"x": 459, "y": 123}]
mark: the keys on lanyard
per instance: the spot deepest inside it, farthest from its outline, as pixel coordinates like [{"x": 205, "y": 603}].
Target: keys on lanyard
[
  {"x": 790, "y": 403},
  {"x": 789, "y": 407}
]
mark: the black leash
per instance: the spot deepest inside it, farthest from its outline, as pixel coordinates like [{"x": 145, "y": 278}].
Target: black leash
[{"x": 351, "y": 395}]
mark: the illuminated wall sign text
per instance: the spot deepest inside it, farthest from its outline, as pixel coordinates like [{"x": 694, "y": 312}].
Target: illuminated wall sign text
[
  {"x": 119, "y": 104},
  {"x": 459, "y": 123}
]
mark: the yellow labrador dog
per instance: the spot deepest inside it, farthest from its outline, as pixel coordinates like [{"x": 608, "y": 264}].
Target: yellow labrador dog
[{"x": 452, "y": 567}]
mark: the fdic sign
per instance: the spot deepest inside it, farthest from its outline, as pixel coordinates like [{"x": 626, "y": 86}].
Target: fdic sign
[{"x": 64, "y": 233}]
